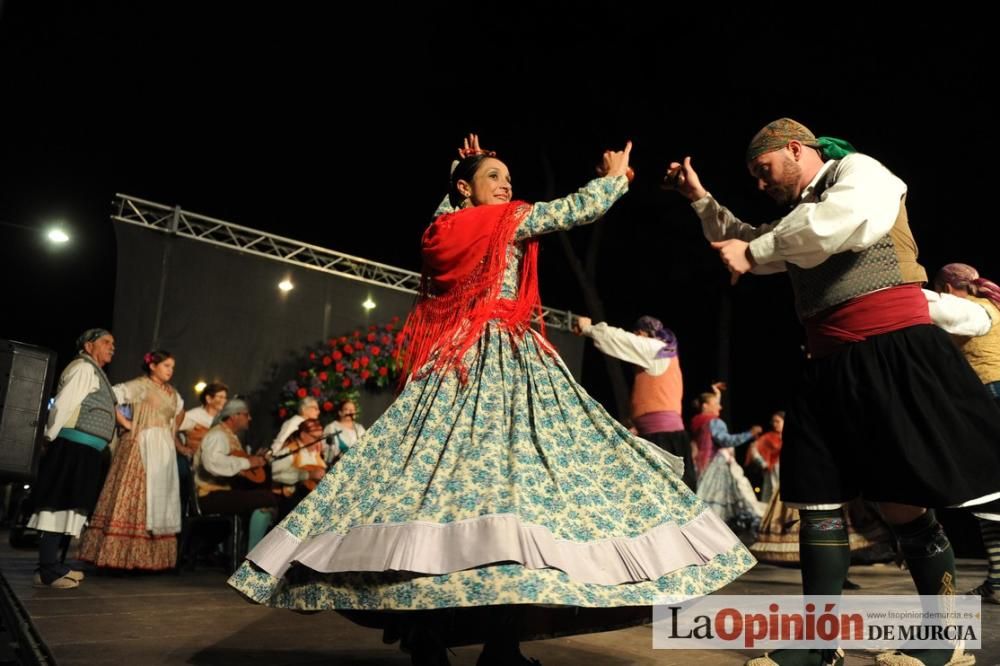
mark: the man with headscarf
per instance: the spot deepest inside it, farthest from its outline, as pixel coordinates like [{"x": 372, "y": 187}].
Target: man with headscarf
[
  {"x": 974, "y": 331},
  {"x": 980, "y": 344},
  {"x": 659, "y": 386},
  {"x": 880, "y": 382},
  {"x": 219, "y": 460},
  {"x": 80, "y": 426}
]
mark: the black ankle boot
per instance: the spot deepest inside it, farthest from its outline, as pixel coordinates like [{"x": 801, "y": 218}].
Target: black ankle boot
[
  {"x": 429, "y": 656},
  {"x": 507, "y": 658},
  {"x": 423, "y": 646}
]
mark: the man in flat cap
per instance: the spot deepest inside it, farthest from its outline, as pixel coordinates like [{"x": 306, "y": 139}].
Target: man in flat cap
[
  {"x": 887, "y": 408},
  {"x": 219, "y": 460}
]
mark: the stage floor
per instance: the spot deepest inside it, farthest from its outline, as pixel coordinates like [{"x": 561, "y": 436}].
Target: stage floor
[{"x": 194, "y": 618}]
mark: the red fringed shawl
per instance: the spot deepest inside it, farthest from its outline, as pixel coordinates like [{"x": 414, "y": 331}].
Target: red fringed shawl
[
  {"x": 768, "y": 446},
  {"x": 464, "y": 257}
]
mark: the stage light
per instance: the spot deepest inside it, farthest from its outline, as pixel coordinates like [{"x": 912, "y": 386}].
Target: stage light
[
  {"x": 199, "y": 387},
  {"x": 369, "y": 304},
  {"x": 57, "y": 236},
  {"x": 286, "y": 285}
]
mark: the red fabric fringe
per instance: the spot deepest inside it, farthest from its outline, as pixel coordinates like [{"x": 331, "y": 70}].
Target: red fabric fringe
[{"x": 464, "y": 257}]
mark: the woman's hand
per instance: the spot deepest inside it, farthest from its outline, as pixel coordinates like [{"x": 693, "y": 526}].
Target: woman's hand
[
  {"x": 615, "y": 162},
  {"x": 183, "y": 450},
  {"x": 470, "y": 147}
]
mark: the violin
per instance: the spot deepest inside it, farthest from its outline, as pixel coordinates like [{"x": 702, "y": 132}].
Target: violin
[
  {"x": 316, "y": 472},
  {"x": 292, "y": 451}
]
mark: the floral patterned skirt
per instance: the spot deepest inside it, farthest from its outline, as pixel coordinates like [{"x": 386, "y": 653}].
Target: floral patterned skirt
[
  {"x": 515, "y": 487},
  {"x": 726, "y": 489}
]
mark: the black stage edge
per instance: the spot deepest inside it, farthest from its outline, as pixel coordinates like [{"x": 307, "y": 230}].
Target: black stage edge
[{"x": 20, "y": 642}]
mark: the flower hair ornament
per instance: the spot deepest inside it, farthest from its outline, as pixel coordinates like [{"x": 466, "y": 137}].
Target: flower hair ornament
[
  {"x": 470, "y": 147},
  {"x": 470, "y": 152},
  {"x": 148, "y": 358}
]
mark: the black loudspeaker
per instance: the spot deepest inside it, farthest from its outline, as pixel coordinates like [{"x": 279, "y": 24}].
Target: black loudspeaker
[{"x": 26, "y": 375}]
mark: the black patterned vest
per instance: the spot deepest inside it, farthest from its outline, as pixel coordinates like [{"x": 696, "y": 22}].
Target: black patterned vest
[
  {"x": 890, "y": 262},
  {"x": 97, "y": 411}
]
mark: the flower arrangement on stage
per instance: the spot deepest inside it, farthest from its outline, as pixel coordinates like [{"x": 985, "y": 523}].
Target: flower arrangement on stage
[{"x": 343, "y": 366}]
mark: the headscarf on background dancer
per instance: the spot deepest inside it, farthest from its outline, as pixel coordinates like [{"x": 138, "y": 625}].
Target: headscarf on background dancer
[
  {"x": 655, "y": 329},
  {"x": 965, "y": 277}
]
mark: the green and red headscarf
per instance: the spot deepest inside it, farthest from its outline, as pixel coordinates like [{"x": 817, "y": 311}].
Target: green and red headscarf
[{"x": 777, "y": 134}]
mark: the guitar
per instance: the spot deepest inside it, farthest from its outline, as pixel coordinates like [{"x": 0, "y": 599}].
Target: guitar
[{"x": 255, "y": 475}]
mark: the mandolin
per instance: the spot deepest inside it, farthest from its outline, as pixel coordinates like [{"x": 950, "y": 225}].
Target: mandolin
[{"x": 253, "y": 474}]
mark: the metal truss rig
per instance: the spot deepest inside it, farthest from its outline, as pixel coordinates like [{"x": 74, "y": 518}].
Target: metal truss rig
[{"x": 178, "y": 222}]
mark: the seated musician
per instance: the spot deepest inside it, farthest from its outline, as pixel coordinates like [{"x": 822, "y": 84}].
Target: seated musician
[
  {"x": 192, "y": 430},
  {"x": 220, "y": 461},
  {"x": 298, "y": 465}
]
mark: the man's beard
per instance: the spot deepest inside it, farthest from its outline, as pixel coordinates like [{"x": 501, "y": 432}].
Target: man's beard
[{"x": 786, "y": 192}]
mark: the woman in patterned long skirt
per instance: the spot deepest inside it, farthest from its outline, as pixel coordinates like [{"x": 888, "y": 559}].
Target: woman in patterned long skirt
[
  {"x": 495, "y": 497},
  {"x": 138, "y": 514},
  {"x": 721, "y": 482}
]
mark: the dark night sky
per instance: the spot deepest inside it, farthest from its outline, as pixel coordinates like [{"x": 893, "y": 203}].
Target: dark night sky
[{"x": 290, "y": 118}]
